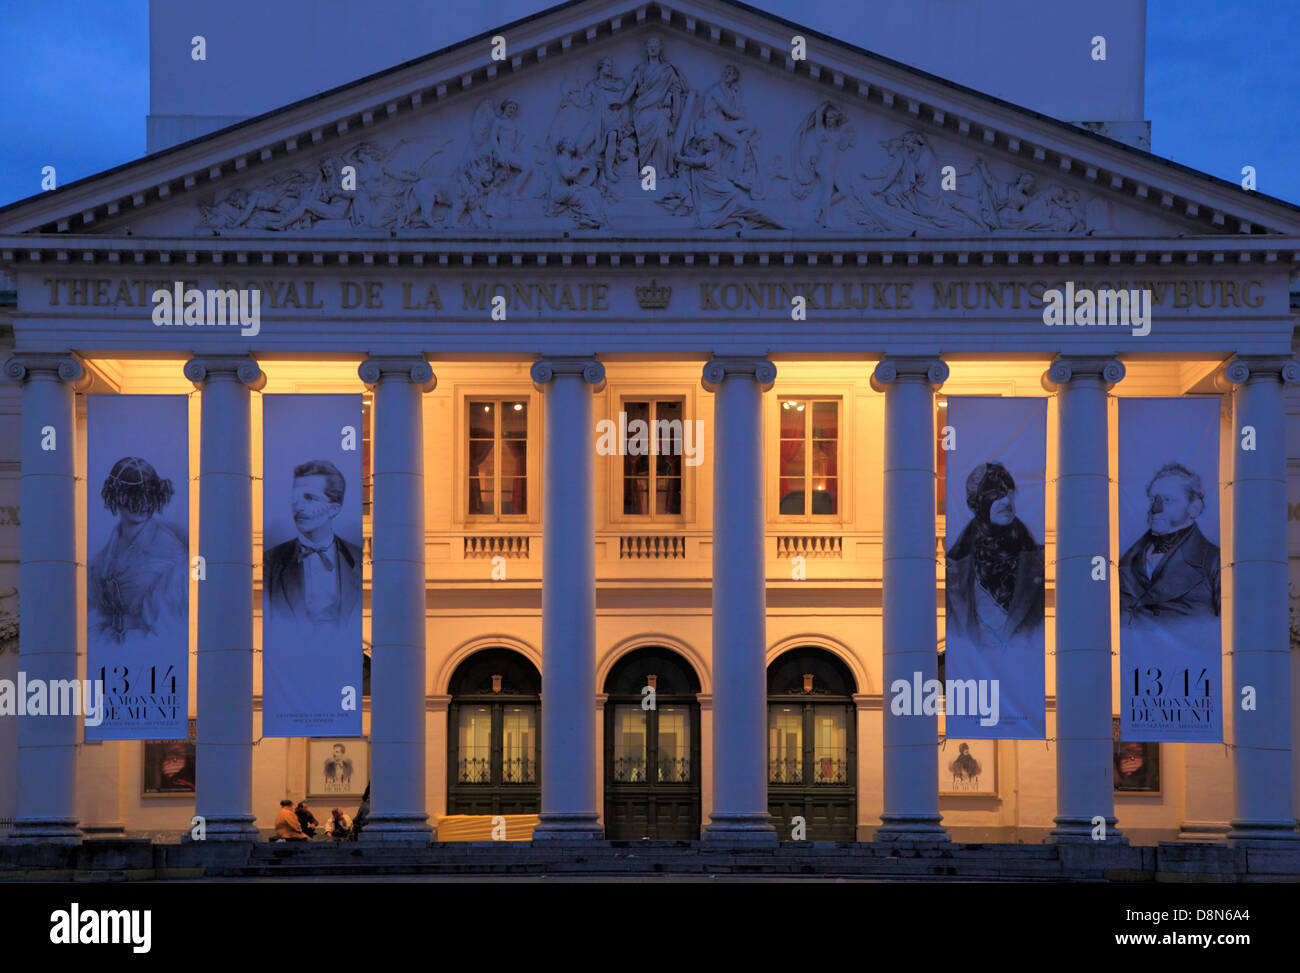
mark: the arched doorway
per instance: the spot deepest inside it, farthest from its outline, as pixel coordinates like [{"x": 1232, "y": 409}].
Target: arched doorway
[
  {"x": 652, "y": 753},
  {"x": 493, "y": 731},
  {"x": 812, "y": 753}
]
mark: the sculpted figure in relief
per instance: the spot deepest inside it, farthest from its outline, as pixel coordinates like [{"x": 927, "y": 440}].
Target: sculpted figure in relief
[
  {"x": 616, "y": 139},
  {"x": 820, "y": 143},
  {"x": 658, "y": 96},
  {"x": 724, "y": 115},
  {"x": 573, "y": 187},
  {"x": 717, "y": 201}
]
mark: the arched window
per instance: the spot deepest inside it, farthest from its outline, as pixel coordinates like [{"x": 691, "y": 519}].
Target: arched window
[
  {"x": 812, "y": 751},
  {"x": 652, "y": 748},
  {"x": 493, "y": 730}
]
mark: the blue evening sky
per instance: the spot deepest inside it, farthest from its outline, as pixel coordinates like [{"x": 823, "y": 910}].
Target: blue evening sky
[{"x": 1222, "y": 84}]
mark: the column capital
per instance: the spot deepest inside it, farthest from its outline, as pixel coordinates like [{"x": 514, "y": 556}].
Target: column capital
[
  {"x": 1108, "y": 371},
  {"x": 544, "y": 370},
  {"x": 718, "y": 370},
  {"x": 416, "y": 370},
  {"x": 1257, "y": 368},
  {"x": 25, "y": 366},
  {"x": 933, "y": 371},
  {"x": 203, "y": 368}
]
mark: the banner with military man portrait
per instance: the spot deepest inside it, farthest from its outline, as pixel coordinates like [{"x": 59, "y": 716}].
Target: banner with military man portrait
[
  {"x": 311, "y": 565},
  {"x": 1171, "y": 684},
  {"x": 995, "y": 456}
]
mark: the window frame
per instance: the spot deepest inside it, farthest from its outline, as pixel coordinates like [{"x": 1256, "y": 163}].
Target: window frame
[
  {"x": 617, "y": 402},
  {"x": 466, "y": 399},
  {"x": 824, "y": 393}
]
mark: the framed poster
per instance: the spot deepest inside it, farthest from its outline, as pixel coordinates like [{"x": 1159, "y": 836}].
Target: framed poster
[
  {"x": 1137, "y": 765},
  {"x": 968, "y": 768},
  {"x": 169, "y": 766},
  {"x": 337, "y": 767}
]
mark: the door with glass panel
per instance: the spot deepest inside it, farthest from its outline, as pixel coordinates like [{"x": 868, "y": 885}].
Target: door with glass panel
[
  {"x": 652, "y": 731},
  {"x": 493, "y": 736},
  {"x": 812, "y": 753}
]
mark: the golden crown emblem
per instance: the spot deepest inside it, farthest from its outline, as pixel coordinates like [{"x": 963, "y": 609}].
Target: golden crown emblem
[{"x": 654, "y": 297}]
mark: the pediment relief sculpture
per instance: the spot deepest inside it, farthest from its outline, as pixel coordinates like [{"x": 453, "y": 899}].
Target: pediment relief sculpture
[{"x": 717, "y": 165}]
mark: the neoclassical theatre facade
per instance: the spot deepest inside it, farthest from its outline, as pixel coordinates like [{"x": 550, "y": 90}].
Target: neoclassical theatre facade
[{"x": 528, "y": 268}]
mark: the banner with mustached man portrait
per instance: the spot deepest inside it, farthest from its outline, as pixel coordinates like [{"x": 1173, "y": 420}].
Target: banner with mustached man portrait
[
  {"x": 1169, "y": 598},
  {"x": 311, "y": 565},
  {"x": 138, "y": 565},
  {"x": 995, "y": 455}
]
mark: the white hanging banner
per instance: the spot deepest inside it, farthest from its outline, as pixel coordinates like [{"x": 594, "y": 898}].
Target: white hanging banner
[
  {"x": 311, "y": 566},
  {"x": 138, "y": 572},
  {"x": 995, "y": 455},
  {"x": 1171, "y": 658}
]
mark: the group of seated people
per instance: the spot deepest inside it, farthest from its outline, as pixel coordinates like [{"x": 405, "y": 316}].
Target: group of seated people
[{"x": 299, "y": 824}]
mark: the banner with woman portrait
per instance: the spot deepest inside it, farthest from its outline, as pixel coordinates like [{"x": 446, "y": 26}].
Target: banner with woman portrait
[
  {"x": 311, "y": 566},
  {"x": 1171, "y": 684},
  {"x": 138, "y": 564},
  {"x": 995, "y": 453}
]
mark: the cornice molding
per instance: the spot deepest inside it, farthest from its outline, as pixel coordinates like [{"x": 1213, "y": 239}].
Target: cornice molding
[{"x": 175, "y": 258}]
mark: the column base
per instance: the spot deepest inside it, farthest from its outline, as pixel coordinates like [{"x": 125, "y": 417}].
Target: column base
[
  {"x": 912, "y": 827},
  {"x": 568, "y": 826},
  {"x": 749, "y": 828},
  {"x": 230, "y": 827},
  {"x": 398, "y": 827},
  {"x": 1281, "y": 830},
  {"x": 1202, "y": 832},
  {"x": 1079, "y": 831},
  {"x": 45, "y": 831}
]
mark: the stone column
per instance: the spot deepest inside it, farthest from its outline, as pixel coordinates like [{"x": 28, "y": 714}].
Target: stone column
[
  {"x": 1261, "y": 651},
  {"x": 47, "y": 587},
  {"x": 224, "y": 749},
  {"x": 739, "y": 602},
  {"x": 397, "y": 677},
  {"x": 568, "y": 600},
  {"x": 909, "y": 597},
  {"x": 1084, "y": 735}
]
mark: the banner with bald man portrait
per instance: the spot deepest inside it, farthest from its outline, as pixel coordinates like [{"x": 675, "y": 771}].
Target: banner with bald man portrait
[
  {"x": 1171, "y": 678},
  {"x": 311, "y": 565},
  {"x": 995, "y": 457}
]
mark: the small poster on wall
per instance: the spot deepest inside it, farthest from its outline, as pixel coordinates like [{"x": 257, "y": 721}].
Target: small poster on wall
[
  {"x": 968, "y": 768},
  {"x": 1137, "y": 765},
  {"x": 338, "y": 768},
  {"x": 169, "y": 765}
]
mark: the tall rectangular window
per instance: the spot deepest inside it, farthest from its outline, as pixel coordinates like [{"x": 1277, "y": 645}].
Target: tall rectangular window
[
  {"x": 652, "y": 466},
  {"x": 498, "y": 457},
  {"x": 809, "y": 461}
]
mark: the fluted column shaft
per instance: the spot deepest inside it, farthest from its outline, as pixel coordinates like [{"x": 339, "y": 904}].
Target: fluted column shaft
[
  {"x": 47, "y": 583},
  {"x": 740, "y": 810},
  {"x": 568, "y": 600},
  {"x": 1084, "y": 734},
  {"x": 224, "y": 750},
  {"x": 909, "y": 597},
  {"x": 1261, "y": 651},
  {"x": 397, "y": 673}
]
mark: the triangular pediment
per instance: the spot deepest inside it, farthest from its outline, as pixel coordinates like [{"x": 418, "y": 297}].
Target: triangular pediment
[{"x": 559, "y": 138}]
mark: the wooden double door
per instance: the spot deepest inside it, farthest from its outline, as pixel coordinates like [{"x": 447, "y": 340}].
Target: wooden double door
[{"x": 652, "y": 769}]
